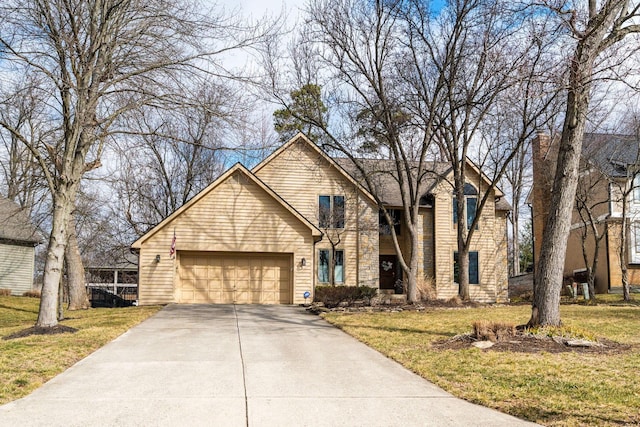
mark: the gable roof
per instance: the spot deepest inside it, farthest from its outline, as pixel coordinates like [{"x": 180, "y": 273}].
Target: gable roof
[
  {"x": 300, "y": 137},
  {"x": 15, "y": 225},
  {"x": 238, "y": 167}
]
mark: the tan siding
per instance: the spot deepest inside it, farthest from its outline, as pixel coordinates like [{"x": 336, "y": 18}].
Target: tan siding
[
  {"x": 486, "y": 240},
  {"x": 16, "y": 268},
  {"x": 299, "y": 175},
  {"x": 236, "y": 216}
]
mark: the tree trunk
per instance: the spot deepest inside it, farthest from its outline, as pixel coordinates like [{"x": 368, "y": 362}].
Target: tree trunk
[
  {"x": 624, "y": 256},
  {"x": 549, "y": 274},
  {"x": 78, "y": 299},
  {"x": 412, "y": 276},
  {"x": 516, "y": 242},
  {"x": 63, "y": 202}
]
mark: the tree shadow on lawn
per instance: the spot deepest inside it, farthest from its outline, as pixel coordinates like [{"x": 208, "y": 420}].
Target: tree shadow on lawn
[{"x": 37, "y": 330}]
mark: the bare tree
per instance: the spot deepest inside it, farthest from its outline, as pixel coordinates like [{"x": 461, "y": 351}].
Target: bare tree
[
  {"x": 177, "y": 154},
  {"x": 592, "y": 205},
  {"x": 597, "y": 28},
  {"x": 95, "y": 62},
  {"x": 489, "y": 54},
  {"x": 404, "y": 81}
]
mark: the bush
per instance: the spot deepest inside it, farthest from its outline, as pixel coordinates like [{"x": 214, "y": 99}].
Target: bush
[
  {"x": 32, "y": 294},
  {"x": 5, "y": 292},
  {"x": 493, "y": 331},
  {"x": 332, "y": 296},
  {"x": 426, "y": 287}
]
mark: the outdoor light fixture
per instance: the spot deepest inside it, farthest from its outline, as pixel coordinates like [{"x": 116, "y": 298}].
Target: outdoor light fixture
[
  {"x": 303, "y": 262},
  {"x": 158, "y": 258}
]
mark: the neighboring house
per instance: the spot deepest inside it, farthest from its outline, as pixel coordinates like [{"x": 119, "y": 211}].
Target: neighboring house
[
  {"x": 117, "y": 278},
  {"x": 18, "y": 239},
  {"x": 300, "y": 219},
  {"x": 609, "y": 164}
]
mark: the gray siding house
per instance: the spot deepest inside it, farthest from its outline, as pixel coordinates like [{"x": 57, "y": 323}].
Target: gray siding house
[{"x": 18, "y": 239}]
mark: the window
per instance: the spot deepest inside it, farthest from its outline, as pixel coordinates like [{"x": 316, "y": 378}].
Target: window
[
  {"x": 636, "y": 188},
  {"x": 634, "y": 241},
  {"x": 338, "y": 268},
  {"x": 324, "y": 260},
  {"x": 331, "y": 211},
  {"x": 323, "y": 266},
  {"x": 471, "y": 205},
  {"x": 474, "y": 275},
  {"x": 396, "y": 216}
]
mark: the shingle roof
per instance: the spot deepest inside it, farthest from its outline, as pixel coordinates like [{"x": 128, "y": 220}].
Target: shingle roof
[
  {"x": 386, "y": 185},
  {"x": 15, "y": 225},
  {"x": 612, "y": 153}
]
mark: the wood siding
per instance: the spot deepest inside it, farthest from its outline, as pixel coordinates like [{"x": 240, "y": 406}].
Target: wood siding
[
  {"x": 300, "y": 175},
  {"x": 16, "y": 268},
  {"x": 235, "y": 216},
  {"x": 489, "y": 240}
]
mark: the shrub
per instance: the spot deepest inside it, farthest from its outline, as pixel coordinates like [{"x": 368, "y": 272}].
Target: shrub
[
  {"x": 493, "y": 331},
  {"x": 332, "y": 296},
  {"x": 5, "y": 292},
  {"x": 32, "y": 294},
  {"x": 426, "y": 288}
]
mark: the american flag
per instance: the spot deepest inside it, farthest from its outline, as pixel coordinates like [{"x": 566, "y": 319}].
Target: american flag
[{"x": 172, "y": 252}]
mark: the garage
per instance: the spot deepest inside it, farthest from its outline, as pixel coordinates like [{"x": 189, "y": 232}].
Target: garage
[{"x": 240, "y": 278}]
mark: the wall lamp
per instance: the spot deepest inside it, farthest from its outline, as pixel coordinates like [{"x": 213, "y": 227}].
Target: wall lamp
[
  {"x": 303, "y": 262},
  {"x": 158, "y": 258}
]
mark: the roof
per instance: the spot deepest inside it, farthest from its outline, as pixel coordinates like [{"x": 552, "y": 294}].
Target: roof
[
  {"x": 300, "y": 137},
  {"x": 611, "y": 153},
  {"x": 236, "y": 168},
  {"x": 386, "y": 185},
  {"x": 15, "y": 225}
]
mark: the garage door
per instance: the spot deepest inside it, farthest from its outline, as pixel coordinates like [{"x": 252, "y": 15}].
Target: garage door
[{"x": 235, "y": 278}]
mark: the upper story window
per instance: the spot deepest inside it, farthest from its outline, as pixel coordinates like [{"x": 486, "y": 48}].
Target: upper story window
[
  {"x": 331, "y": 211},
  {"x": 471, "y": 205},
  {"x": 396, "y": 216},
  {"x": 636, "y": 188}
]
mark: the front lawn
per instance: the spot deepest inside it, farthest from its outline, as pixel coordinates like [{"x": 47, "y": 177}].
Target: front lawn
[
  {"x": 559, "y": 389},
  {"x": 27, "y": 363}
]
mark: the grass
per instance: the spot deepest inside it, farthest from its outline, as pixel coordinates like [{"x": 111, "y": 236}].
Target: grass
[
  {"x": 27, "y": 363},
  {"x": 562, "y": 389}
]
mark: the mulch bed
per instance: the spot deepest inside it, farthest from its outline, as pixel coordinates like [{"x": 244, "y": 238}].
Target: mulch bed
[
  {"x": 36, "y": 330},
  {"x": 526, "y": 343}
]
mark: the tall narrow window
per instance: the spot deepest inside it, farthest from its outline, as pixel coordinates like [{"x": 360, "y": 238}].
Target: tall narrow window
[
  {"x": 338, "y": 269},
  {"x": 331, "y": 211},
  {"x": 324, "y": 211},
  {"x": 636, "y": 188},
  {"x": 474, "y": 273},
  {"x": 338, "y": 211},
  {"x": 323, "y": 266},
  {"x": 634, "y": 240},
  {"x": 471, "y": 205}
]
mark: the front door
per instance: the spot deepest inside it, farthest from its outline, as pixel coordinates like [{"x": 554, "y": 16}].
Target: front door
[{"x": 388, "y": 271}]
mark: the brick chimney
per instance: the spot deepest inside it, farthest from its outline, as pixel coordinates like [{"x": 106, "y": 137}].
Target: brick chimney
[{"x": 543, "y": 174}]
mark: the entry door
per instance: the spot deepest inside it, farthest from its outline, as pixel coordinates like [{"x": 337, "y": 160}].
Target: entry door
[{"x": 388, "y": 271}]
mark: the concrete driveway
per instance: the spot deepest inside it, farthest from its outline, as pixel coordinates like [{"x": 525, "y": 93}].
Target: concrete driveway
[{"x": 215, "y": 365}]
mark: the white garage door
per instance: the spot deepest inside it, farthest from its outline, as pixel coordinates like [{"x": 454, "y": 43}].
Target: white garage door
[{"x": 235, "y": 278}]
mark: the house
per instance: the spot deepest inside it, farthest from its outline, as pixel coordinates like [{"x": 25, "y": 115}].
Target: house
[
  {"x": 300, "y": 219},
  {"x": 112, "y": 278},
  {"x": 18, "y": 239},
  {"x": 609, "y": 165}
]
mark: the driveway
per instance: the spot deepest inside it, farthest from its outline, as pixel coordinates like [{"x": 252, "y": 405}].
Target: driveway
[{"x": 222, "y": 365}]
